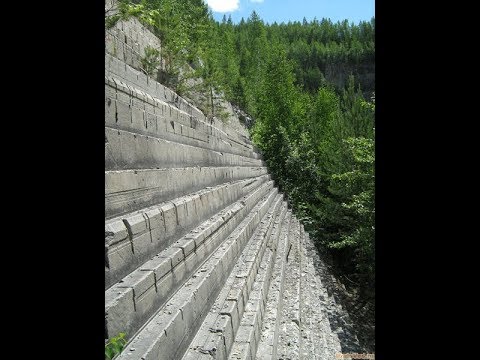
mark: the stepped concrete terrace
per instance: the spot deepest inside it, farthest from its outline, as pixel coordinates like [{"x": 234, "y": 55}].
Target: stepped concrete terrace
[{"x": 203, "y": 257}]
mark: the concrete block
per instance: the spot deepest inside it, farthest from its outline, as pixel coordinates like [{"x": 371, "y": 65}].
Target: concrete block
[
  {"x": 138, "y": 96},
  {"x": 159, "y": 265},
  {"x": 145, "y": 304},
  {"x": 123, "y": 90},
  {"x": 165, "y": 285},
  {"x": 136, "y": 224},
  {"x": 245, "y": 334},
  {"x": 255, "y": 305},
  {"x": 115, "y": 232},
  {"x": 119, "y": 50},
  {"x": 173, "y": 253},
  {"x": 150, "y": 122},
  {"x": 137, "y": 100},
  {"x": 236, "y": 293},
  {"x": 110, "y": 88},
  {"x": 161, "y": 125},
  {"x": 120, "y": 257},
  {"x": 170, "y": 219},
  {"x": 188, "y": 313},
  {"x": 139, "y": 281},
  {"x": 181, "y": 211},
  {"x": 123, "y": 114},
  {"x": 138, "y": 119},
  {"x": 224, "y": 322},
  {"x": 117, "y": 304},
  {"x": 156, "y": 226},
  {"x": 240, "y": 351},
  {"x": 230, "y": 308},
  {"x": 143, "y": 248},
  {"x": 200, "y": 252},
  {"x": 110, "y": 111},
  {"x": 149, "y": 101},
  {"x": 201, "y": 291},
  {"x": 187, "y": 245},
  {"x": 122, "y": 93},
  {"x": 128, "y": 54}
]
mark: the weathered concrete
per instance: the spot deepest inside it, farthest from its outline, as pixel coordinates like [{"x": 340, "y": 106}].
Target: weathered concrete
[
  {"x": 168, "y": 333},
  {"x": 130, "y": 190},
  {"x": 127, "y": 150},
  {"x": 127, "y": 40},
  {"x": 154, "y": 111},
  {"x": 172, "y": 267},
  {"x": 165, "y": 223},
  {"x": 236, "y": 292},
  {"x": 289, "y": 328},
  {"x": 203, "y": 259},
  {"x": 267, "y": 345}
]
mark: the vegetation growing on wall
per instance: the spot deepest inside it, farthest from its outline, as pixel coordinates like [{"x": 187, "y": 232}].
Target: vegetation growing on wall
[{"x": 115, "y": 346}]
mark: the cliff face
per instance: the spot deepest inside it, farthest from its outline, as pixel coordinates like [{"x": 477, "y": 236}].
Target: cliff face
[
  {"x": 203, "y": 258},
  {"x": 364, "y": 74}
]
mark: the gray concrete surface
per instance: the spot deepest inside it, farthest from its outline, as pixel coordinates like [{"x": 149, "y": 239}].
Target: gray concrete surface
[
  {"x": 165, "y": 223},
  {"x": 171, "y": 268},
  {"x": 203, "y": 258},
  {"x": 130, "y": 190}
]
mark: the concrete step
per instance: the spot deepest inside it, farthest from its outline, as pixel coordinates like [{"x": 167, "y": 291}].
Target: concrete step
[
  {"x": 325, "y": 341},
  {"x": 134, "y": 79},
  {"x": 203, "y": 259},
  {"x": 218, "y": 330},
  {"x": 127, "y": 40},
  {"x": 248, "y": 336},
  {"x": 170, "y": 330},
  {"x": 129, "y": 108},
  {"x": 117, "y": 68},
  {"x": 132, "y": 239},
  {"x": 130, "y": 190},
  {"x": 311, "y": 341},
  {"x": 289, "y": 329},
  {"x": 268, "y": 339},
  {"x": 127, "y": 150},
  {"x": 138, "y": 295}
]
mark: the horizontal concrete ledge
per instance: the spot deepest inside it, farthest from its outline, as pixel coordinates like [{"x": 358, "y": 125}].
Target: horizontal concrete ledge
[
  {"x": 130, "y": 190},
  {"x": 168, "y": 333},
  {"x": 309, "y": 335},
  {"x": 289, "y": 328},
  {"x": 117, "y": 68},
  {"x": 129, "y": 107},
  {"x": 161, "y": 121},
  {"x": 127, "y": 150},
  {"x": 250, "y": 271},
  {"x": 167, "y": 271},
  {"x": 132, "y": 239},
  {"x": 268, "y": 339},
  {"x": 148, "y": 87}
]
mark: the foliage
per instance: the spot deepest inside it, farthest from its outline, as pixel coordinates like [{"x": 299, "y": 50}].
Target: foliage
[
  {"x": 150, "y": 61},
  {"x": 124, "y": 10},
  {"x": 115, "y": 346}
]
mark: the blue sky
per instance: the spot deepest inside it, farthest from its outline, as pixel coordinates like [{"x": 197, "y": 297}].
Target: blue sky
[{"x": 294, "y": 10}]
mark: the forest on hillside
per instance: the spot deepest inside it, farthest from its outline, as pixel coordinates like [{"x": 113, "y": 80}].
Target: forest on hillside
[{"x": 317, "y": 138}]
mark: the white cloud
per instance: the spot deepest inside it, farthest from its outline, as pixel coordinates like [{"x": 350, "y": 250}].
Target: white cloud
[
  {"x": 256, "y": 1},
  {"x": 224, "y": 5}
]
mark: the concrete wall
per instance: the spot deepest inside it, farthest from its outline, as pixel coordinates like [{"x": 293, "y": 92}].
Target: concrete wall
[
  {"x": 127, "y": 40},
  {"x": 203, "y": 259}
]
